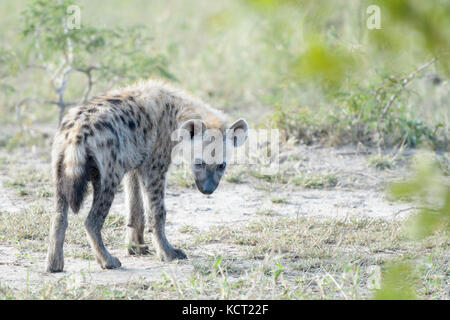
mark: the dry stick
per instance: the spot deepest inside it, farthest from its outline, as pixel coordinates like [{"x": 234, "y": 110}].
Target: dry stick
[
  {"x": 88, "y": 73},
  {"x": 405, "y": 81},
  {"x": 337, "y": 285},
  {"x": 400, "y": 148},
  {"x": 44, "y": 65},
  {"x": 20, "y": 103},
  {"x": 62, "y": 81},
  {"x": 414, "y": 208},
  {"x": 403, "y": 210}
]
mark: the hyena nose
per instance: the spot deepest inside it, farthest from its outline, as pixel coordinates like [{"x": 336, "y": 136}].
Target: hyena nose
[
  {"x": 208, "y": 188},
  {"x": 207, "y": 191}
]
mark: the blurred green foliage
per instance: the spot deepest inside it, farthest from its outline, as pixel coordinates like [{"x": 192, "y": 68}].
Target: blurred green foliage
[
  {"x": 429, "y": 189},
  {"x": 8, "y": 68},
  {"x": 406, "y": 25},
  {"x": 324, "y": 62},
  {"x": 422, "y": 26},
  {"x": 397, "y": 283},
  {"x": 124, "y": 52}
]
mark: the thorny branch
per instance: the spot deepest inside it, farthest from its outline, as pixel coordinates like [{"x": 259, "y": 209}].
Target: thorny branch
[{"x": 405, "y": 82}]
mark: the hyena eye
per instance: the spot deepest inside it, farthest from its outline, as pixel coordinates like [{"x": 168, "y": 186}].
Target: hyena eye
[
  {"x": 198, "y": 164},
  {"x": 222, "y": 166}
]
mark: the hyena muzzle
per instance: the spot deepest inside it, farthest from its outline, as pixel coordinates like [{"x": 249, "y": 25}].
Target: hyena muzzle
[{"x": 128, "y": 135}]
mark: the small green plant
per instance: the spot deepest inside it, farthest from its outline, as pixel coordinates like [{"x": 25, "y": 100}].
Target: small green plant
[
  {"x": 43, "y": 192},
  {"x": 188, "y": 229},
  {"x": 267, "y": 212},
  {"x": 266, "y": 177},
  {"x": 315, "y": 181},
  {"x": 277, "y": 272},
  {"x": 180, "y": 176},
  {"x": 235, "y": 176},
  {"x": 279, "y": 200},
  {"x": 382, "y": 162}
]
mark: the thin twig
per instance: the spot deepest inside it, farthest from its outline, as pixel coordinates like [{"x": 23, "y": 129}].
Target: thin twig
[
  {"x": 403, "y": 210},
  {"x": 337, "y": 285},
  {"x": 405, "y": 82},
  {"x": 88, "y": 72}
]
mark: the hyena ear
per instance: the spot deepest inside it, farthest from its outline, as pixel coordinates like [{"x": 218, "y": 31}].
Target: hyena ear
[
  {"x": 192, "y": 128},
  {"x": 237, "y": 132}
]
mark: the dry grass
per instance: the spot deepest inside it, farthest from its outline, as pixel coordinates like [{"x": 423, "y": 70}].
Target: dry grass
[
  {"x": 275, "y": 258},
  {"x": 272, "y": 257}
]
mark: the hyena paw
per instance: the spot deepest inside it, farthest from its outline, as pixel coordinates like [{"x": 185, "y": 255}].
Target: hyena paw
[
  {"x": 111, "y": 263},
  {"x": 138, "y": 250},
  {"x": 55, "y": 265},
  {"x": 173, "y": 254}
]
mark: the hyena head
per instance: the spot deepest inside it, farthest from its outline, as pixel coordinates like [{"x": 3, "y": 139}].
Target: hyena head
[{"x": 208, "y": 150}]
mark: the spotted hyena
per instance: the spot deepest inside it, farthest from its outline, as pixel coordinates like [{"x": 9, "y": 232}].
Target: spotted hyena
[{"x": 129, "y": 134}]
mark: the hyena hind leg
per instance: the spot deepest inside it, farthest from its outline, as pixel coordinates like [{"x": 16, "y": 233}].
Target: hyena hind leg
[
  {"x": 94, "y": 223},
  {"x": 136, "y": 221},
  {"x": 55, "y": 255}
]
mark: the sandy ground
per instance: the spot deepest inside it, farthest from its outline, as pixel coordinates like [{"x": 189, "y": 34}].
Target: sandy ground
[{"x": 359, "y": 193}]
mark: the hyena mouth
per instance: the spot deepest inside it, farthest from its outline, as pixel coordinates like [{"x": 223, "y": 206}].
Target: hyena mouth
[
  {"x": 206, "y": 188},
  {"x": 206, "y": 191}
]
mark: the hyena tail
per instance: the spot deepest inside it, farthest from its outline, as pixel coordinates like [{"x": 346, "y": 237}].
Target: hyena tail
[{"x": 73, "y": 174}]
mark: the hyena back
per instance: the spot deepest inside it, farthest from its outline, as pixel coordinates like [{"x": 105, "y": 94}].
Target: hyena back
[{"x": 123, "y": 134}]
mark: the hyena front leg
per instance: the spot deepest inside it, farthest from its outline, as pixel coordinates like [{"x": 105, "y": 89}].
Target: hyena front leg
[
  {"x": 103, "y": 198},
  {"x": 156, "y": 217},
  {"x": 136, "y": 221},
  {"x": 55, "y": 256}
]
